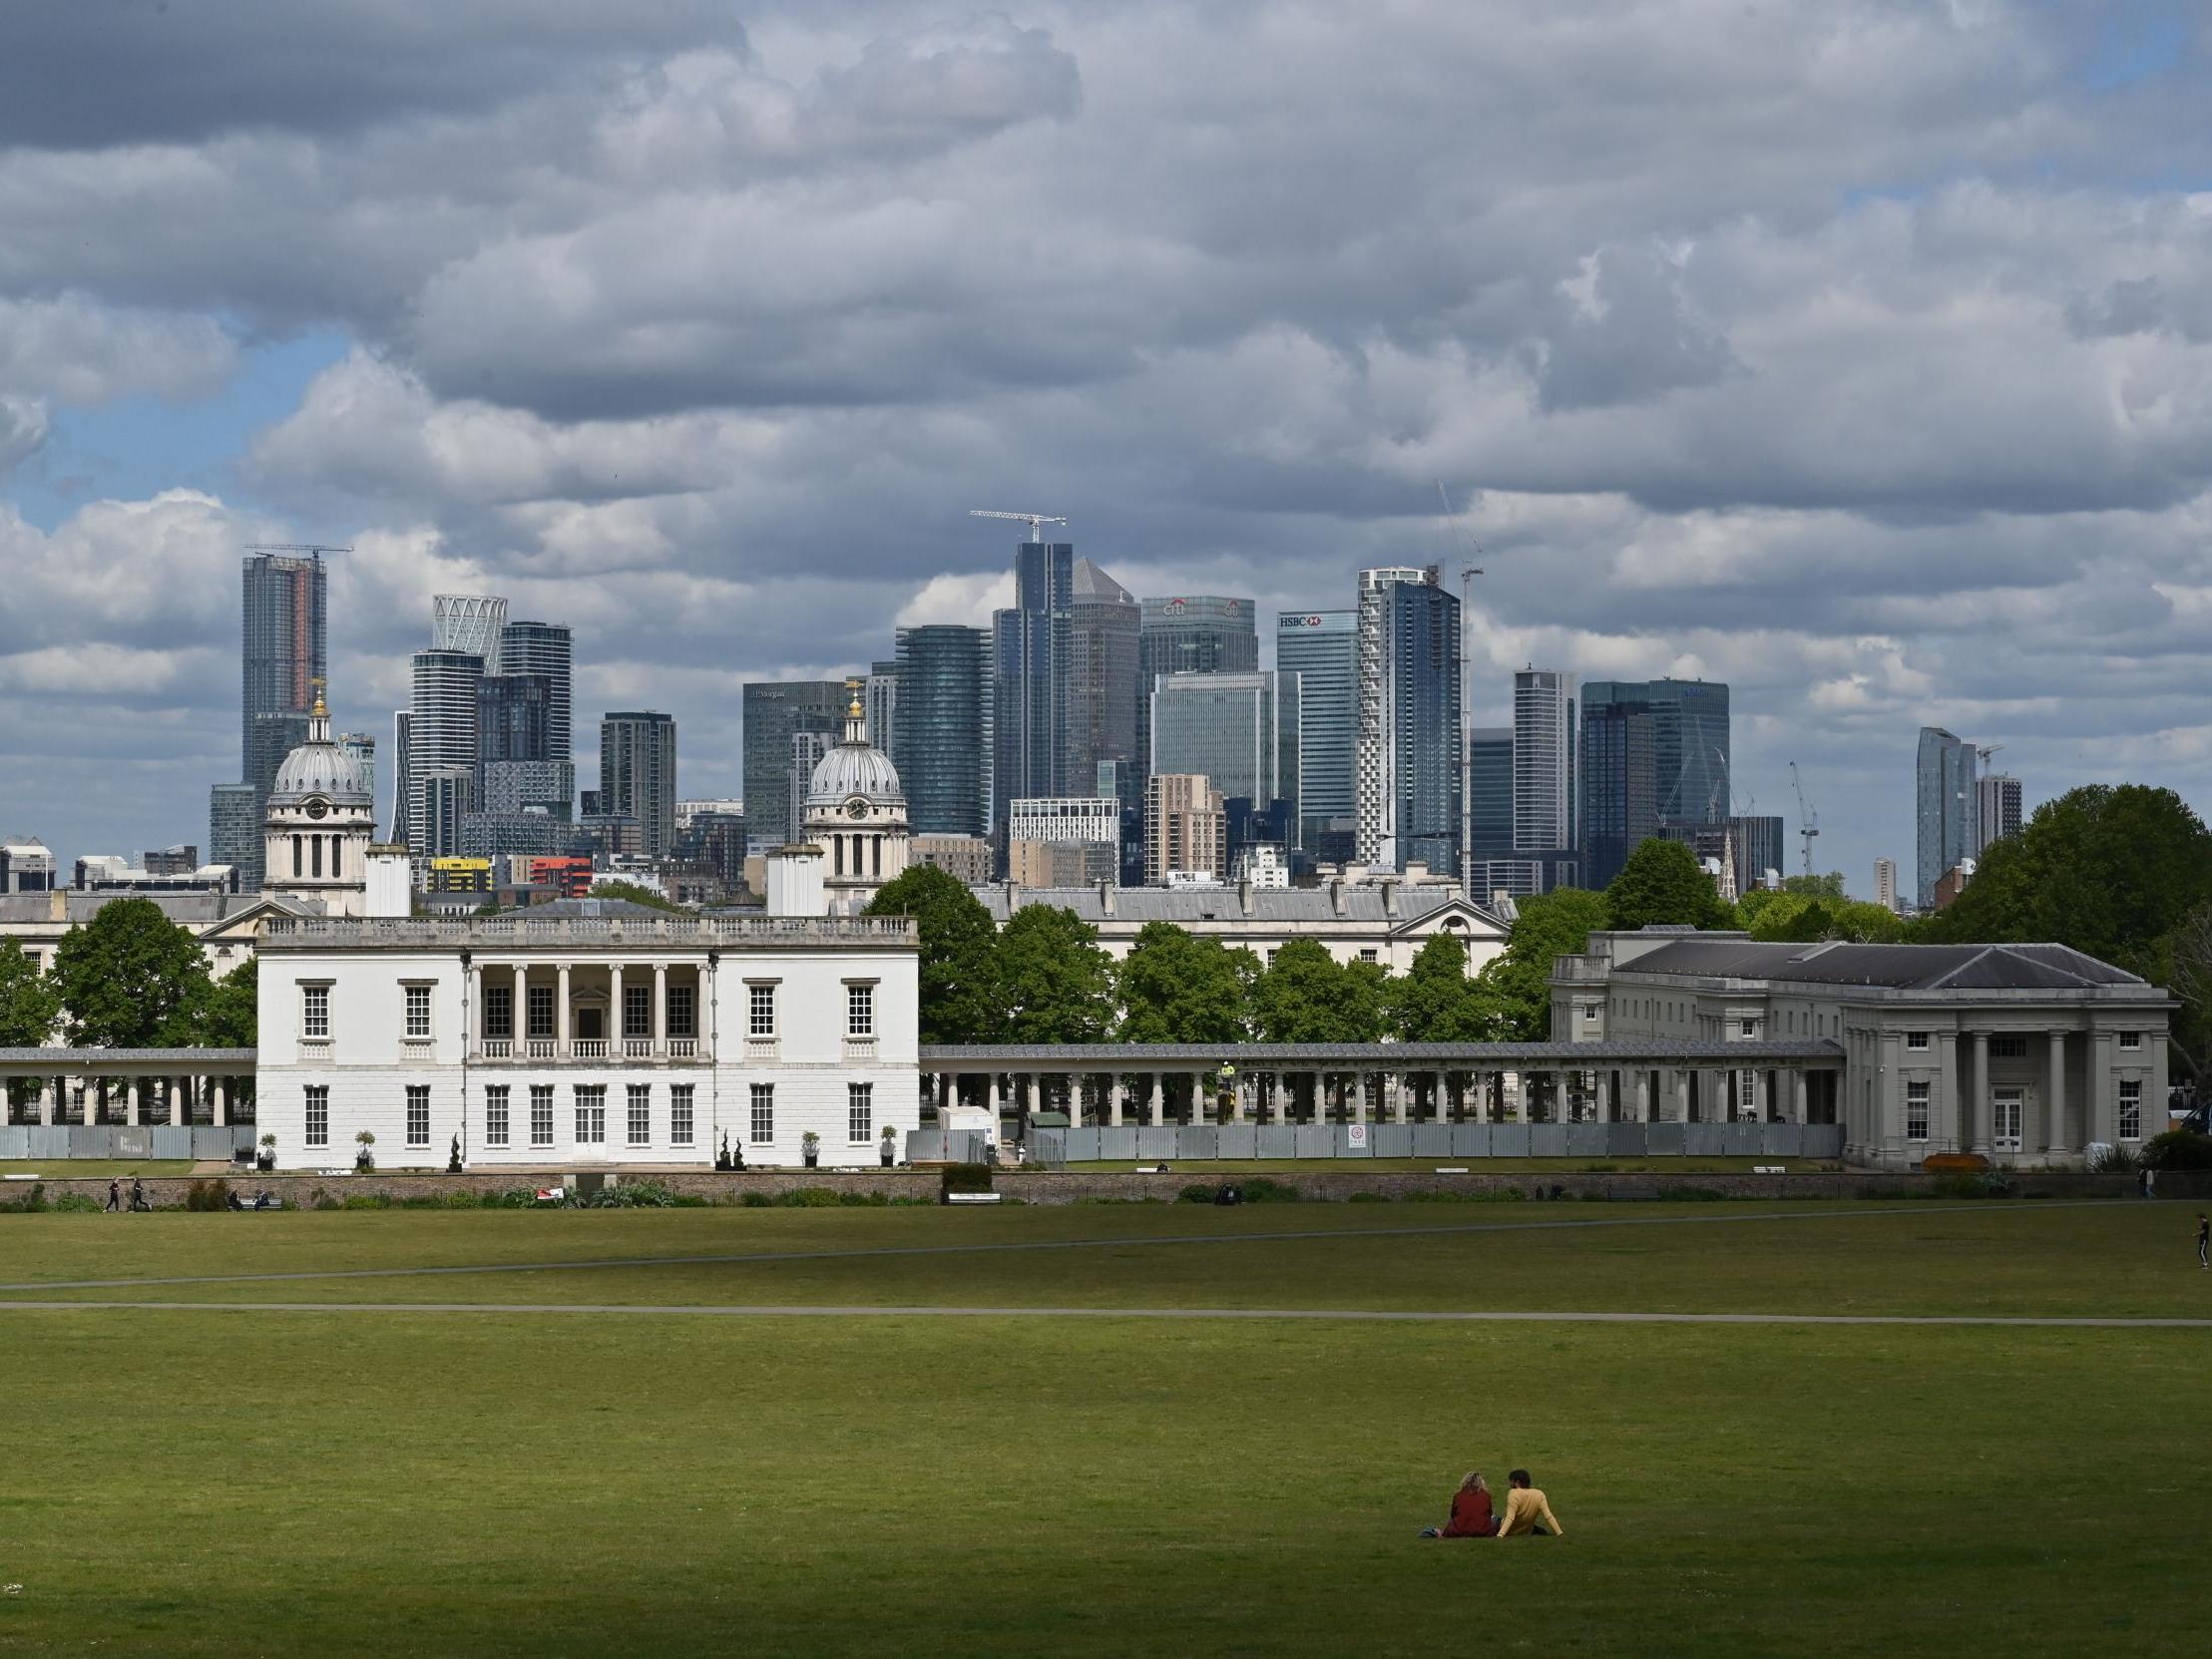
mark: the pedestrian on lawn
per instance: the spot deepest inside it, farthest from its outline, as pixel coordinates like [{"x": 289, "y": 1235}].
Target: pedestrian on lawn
[
  {"x": 1527, "y": 1511},
  {"x": 114, "y": 1196},
  {"x": 2204, "y": 1241}
]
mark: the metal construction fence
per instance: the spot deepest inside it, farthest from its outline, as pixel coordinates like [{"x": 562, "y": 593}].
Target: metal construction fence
[
  {"x": 196, "y": 1141},
  {"x": 1200, "y": 1143}
]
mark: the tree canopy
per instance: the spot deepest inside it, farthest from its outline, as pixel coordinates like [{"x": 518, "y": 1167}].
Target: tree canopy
[
  {"x": 1517, "y": 984},
  {"x": 1052, "y": 983},
  {"x": 2110, "y": 870},
  {"x": 957, "y": 945},
  {"x": 29, "y": 1005},
  {"x": 1177, "y": 987},
  {"x": 1663, "y": 885},
  {"x": 636, "y": 894},
  {"x": 1306, "y": 996},
  {"x": 132, "y": 979},
  {"x": 1803, "y": 917},
  {"x": 1436, "y": 1000}
]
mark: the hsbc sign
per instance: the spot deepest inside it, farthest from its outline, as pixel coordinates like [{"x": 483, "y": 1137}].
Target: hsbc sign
[{"x": 1298, "y": 621}]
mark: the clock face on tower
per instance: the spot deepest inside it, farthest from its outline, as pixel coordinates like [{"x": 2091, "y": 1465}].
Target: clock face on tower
[
  {"x": 856, "y": 808},
  {"x": 315, "y": 809}
]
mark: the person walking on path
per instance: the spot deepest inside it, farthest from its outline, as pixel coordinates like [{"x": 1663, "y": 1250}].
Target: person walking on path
[
  {"x": 114, "y": 1196},
  {"x": 1527, "y": 1511},
  {"x": 138, "y": 1194},
  {"x": 2204, "y": 1241}
]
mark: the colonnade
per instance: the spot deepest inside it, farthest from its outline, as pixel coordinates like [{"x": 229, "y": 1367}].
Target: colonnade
[
  {"x": 507, "y": 1034},
  {"x": 131, "y": 1102}
]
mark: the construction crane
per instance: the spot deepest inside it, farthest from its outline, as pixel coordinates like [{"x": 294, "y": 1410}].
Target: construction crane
[
  {"x": 1034, "y": 520},
  {"x": 318, "y": 548},
  {"x": 1983, "y": 754},
  {"x": 1808, "y": 821}
]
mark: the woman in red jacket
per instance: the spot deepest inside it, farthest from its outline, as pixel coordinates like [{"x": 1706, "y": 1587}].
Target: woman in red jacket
[{"x": 1471, "y": 1512}]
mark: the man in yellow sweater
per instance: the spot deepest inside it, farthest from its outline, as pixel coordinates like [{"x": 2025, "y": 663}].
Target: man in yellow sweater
[{"x": 1525, "y": 1508}]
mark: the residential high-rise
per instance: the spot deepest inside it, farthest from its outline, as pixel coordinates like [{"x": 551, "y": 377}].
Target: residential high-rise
[
  {"x": 1102, "y": 639},
  {"x": 943, "y": 744},
  {"x": 547, "y": 649},
  {"x": 1190, "y": 634},
  {"x": 403, "y": 748},
  {"x": 1944, "y": 809},
  {"x": 1759, "y": 840},
  {"x": 807, "y": 751},
  {"x": 1322, "y": 648},
  {"x": 514, "y": 716},
  {"x": 441, "y": 737},
  {"x": 1239, "y": 731},
  {"x": 470, "y": 623},
  {"x": 881, "y": 697},
  {"x": 1490, "y": 781},
  {"x": 1997, "y": 810},
  {"x": 776, "y": 711},
  {"x": 360, "y": 748},
  {"x": 637, "y": 776},
  {"x": 1029, "y": 668},
  {"x": 1884, "y": 883},
  {"x": 1407, "y": 776},
  {"x": 1185, "y": 828},
  {"x": 1543, "y": 807},
  {"x": 444, "y": 798}
]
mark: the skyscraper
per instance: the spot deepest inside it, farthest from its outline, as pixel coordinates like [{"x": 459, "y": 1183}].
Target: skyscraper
[
  {"x": 1191, "y": 634},
  {"x": 441, "y": 737},
  {"x": 284, "y": 652},
  {"x": 637, "y": 776},
  {"x": 1407, "y": 771},
  {"x": 1543, "y": 815},
  {"x": 1322, "y": 648},
  {"x": 520, "y": 768},
  {"x": 1884, "y": 883},
  {"x": 1240, "y": 730},
  {"x": 944, "y": 744},
  {"x": 1944, "y": 809},
  {"x": 776, "y": 711},
  {"x": 1029, "y": 668},
  {"x": 548, "y": 648},
  {"x": 1101, "y": 701},
  {"x": 1620, "y": 791},
  {"x": 403, "y": 749},
  {"x": 1186, "y": 829},
  {"x": 1997, "y": 810},
  {"x": 1489, "y": 781},
  {"x": 469, "y": 623},
  {"x": 881, "y": 697},
  {"x": 1689, "y": 743}
]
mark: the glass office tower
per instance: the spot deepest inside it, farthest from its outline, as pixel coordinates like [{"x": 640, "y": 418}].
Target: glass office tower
[
  {"x": 1322, "y": 648},
  {"x": 943, "y": 728}
]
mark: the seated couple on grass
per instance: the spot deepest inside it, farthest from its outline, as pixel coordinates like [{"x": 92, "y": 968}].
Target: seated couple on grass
[{"x": 1527, "y": 1511}]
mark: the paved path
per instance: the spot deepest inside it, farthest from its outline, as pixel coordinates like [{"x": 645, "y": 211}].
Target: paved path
[
  {"x": 1364, "y": 1314},
  {"x": 1865, "y": 1210}
]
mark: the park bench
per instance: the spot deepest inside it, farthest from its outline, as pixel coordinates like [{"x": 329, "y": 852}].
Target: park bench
[{"x": 971, "y": 1198}]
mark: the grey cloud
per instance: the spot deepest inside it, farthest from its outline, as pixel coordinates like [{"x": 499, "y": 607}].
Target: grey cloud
[{"x": 1625, "y": 330}]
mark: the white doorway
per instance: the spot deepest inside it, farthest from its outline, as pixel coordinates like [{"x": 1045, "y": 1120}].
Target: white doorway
[{"x": 2004, "y": 1115}]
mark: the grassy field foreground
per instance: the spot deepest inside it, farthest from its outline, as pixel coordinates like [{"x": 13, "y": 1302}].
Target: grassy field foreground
[{"x": 404, "y": 1482}]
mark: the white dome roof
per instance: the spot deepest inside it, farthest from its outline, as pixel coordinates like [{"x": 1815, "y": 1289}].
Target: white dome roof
[
  {"x": 320, "y": 770},
  {"x": 854, "y": 769}
]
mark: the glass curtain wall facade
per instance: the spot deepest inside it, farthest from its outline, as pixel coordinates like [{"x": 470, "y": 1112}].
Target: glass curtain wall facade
[
  {"x": 1191, "y": 634},
  {"x": 546, "y": 648},
  {"x": 775, "y": 712},
  {"x": 943, "y": 728},
  {"x": 1945, "y": 809},
  {"x": 441, "y": 737},
  {"x": 283, "y": 651},
  {"x": 1101, "y": 694},
  {"x": 1619, "y": 793},
  {"x": 1489, "y": 781},
  {"x": 637, "y": 776},
  {"x": 1544, "y": 813},
  {"x": 1407, "y": 774},
  {"x": 1028, "y": 673},
  {"x": 1239, "y": 731},
  {"x": 1322, "y": 648}
]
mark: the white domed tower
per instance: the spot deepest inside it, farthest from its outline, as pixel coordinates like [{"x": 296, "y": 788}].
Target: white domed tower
[
  {"x": 856, "y": 813},
  {"x": 321, "y": 815}
]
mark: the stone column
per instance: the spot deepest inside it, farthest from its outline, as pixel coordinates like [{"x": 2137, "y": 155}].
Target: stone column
[
  {"x": 518, "y": 1019},
  {"x": 561, "y": 1009},
  {"x": 616, "y": 1026},
  {"x": 2104, "y": 1119},
  {"x": 2057, "y": 1138},
  {"x": 1797, "y": 1093},
  {"x": 1113, "y": 1102},
  {"x": 1155, "y": 1101},
  {"x": 223, "y": 1103},
  {"x": 138, "y": 1109},
  {"x": 1978, "y": 1110},
  {"x": 660, "y": 1015},
  {"x": 1397, "y": 1097}
]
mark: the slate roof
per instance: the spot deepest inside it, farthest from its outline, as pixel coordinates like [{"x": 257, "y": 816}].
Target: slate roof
[
  {"x": 1271, "y": 906},
  {"x": 1890, "y": 966},
  {"x": 92, "y": 1059},
  {"x": 1411, "y": 1057}
]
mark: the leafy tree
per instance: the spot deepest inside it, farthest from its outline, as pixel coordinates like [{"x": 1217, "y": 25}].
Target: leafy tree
[
  {"x": 1800, "y": 917},
  {"x": 132, "y": 979},
  {"x": 229, "y": 1015},
  {"x": 957, "y": 940},
  {"x": 1054, "y": 983},
  {"x": 2109, "y": 870},
  {"x": 1306, "y": 996},
  {"x": 29, "y": 1005},
  {"x": 1663, "y": 885},
  {"x": 1178, "y": 988},
  {"x": 1829, "y": 886},
  {"x": 636, "y": 894},
  {"x": 1517, "y": 983},
  {"x": 1437, "y": 1001}
]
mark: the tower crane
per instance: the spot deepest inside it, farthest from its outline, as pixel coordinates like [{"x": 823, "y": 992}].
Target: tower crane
[
  {"x": 1984, "y": 752},
  {"x": 1808, "y": 821},
  {"x": 1034, "y": 520},
  {"x": 317, "y": 549}
]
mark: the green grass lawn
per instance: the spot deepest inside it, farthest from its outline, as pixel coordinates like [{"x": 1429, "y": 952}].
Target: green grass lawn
[
  {"x": 1200, "y": 1168},
  {"x": 404, "y": 1482},
  {"x": 83, "y": 1169}
]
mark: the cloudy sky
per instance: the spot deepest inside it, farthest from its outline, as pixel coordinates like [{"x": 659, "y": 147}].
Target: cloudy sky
[{"x": 1854, "y": 353}]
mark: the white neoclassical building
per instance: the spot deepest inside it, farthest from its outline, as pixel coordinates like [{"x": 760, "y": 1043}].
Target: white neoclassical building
[
  {"x": 320, "y": 821},
  {"x": 855, "y": 811},
  {"x": 587, "y": 1034}
]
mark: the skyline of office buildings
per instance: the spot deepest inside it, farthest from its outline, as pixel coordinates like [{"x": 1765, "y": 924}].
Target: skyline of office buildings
[{"x": 1407, "y": 758}]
